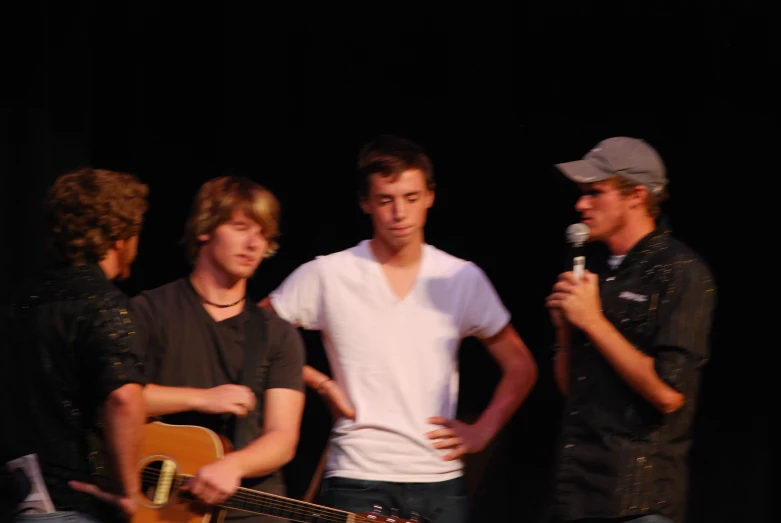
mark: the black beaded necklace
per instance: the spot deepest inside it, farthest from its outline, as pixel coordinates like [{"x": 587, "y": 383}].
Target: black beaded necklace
[{"x": 218, "y": 305}]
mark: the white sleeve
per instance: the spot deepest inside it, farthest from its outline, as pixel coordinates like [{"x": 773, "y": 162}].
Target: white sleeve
[
  {"x": 298, "y": 300},
  {"x": 484, "y": 314}
]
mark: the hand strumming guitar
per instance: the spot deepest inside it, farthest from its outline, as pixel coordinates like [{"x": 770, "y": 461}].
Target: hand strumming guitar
[{"x": 215, "y": 482}]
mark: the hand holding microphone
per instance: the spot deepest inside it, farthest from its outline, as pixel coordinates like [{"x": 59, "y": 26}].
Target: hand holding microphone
[
  {"x": 575, "y": 295},
  {"x": 577, "y": 235}
]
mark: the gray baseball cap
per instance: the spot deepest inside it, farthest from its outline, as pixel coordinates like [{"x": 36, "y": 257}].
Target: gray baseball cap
[{"x": 631, "y": 158}]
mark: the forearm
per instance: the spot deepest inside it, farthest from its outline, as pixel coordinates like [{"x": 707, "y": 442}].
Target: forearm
[
  {"x": 314, "y": 378},
  {"x": 160, "y": 400},
  {"x": 513, "y": 388},
  {"x": 561, "y": 361},
  {"x": 267, "y": 454},
  {"x": 124, "y": 418},
  {"x": 633, "y": 366}
]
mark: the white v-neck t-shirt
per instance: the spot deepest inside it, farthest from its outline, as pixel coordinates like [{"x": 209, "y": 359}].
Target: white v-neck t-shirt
[{"x": 396, "y": 359}]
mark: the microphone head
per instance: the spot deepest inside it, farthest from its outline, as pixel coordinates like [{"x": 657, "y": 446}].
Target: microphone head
[{"x": 577, "y": 233}]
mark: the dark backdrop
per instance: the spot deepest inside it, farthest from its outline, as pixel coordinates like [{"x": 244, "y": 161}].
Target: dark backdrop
[{"x": 180, "y": 94}]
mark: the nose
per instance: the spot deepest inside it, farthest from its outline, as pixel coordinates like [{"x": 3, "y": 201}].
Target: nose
[
  {"x": 256, "y": 241},
  {"x": 399, "y": 210},
  {"x": 583, "y": 203}
]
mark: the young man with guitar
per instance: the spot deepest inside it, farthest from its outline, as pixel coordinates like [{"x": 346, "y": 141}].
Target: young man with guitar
[
  {"x": 393, "y": 311},
  {"x": 215, "y": 359},
  {"x": 71, "y": 383}
]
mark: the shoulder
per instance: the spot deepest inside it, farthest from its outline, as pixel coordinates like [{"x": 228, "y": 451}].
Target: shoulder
[
  {"x": 278, "y": 329},
  {"x": 99, "y": 295},
  {"x": 347, "y": 262},
  {"x": 344, "y": 259},
  {"x": 84, "y": 284},
  {"x": 679, "y": 266},
  {"x": 272, "y": 320},
  {"x": 160, "y": 297},
  {"x": 444, "y": 264}
]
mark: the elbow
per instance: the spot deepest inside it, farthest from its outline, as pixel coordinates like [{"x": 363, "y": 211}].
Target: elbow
[
  {"x": 288, "y": 456},
  {"x": 529, "y": 368},
  {"x": 128, "y": 396},
  {"x": 126, "y": 401},
  {"x": 672, "y": 402},
  {"x": 524, "y": 372},
  {"x": 288, "y": 450}
]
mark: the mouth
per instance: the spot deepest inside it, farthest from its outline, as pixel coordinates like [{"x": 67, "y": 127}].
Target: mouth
[
  {"x": 401, "y": 230},
  {"x": 245, "y": 260}
]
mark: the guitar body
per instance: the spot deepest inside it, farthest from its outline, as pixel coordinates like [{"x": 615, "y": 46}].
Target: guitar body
[
  {"x": 173, "y": 454},
  {"x": 175, "y": 450}
]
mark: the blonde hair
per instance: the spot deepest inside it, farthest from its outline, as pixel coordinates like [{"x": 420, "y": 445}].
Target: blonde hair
[{"x": 216, "y": 202}]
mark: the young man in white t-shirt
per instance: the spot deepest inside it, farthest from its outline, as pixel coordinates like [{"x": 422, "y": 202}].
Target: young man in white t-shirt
[{"x": 392, "y": 311}]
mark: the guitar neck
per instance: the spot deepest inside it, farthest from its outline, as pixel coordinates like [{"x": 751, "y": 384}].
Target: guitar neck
[{"x": 266, "y": 504}]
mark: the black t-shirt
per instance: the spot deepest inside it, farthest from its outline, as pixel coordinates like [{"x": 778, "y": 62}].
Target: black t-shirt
[
  {"x": 70, "y": 344},
  {"x": 186, "y": 347}
]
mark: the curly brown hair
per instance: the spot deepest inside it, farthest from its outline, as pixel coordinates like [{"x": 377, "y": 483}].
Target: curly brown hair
[
  {"x": 88, "y": 210},
  {"x": 216, "y": 202}
]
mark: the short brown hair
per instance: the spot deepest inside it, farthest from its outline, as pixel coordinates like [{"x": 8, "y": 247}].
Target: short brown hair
[
  {"x": 389, "y": 155},
  {"x": 216, "y": 202},
  {"x": 652, "y": 201},
  {"x": 88, "y": 210}
]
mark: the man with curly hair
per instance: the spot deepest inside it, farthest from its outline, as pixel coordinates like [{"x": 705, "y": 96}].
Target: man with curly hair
[{"x": 73, "y": 390}]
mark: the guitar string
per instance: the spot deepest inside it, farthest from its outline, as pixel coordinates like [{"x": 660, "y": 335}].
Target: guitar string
[
  {"x": 289, "y": 509},
  {"x": 292, "y": 506}
]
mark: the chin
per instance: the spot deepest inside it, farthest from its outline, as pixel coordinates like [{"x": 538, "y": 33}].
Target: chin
[
  {"x": 243, "y": 273},
  {"x": 398, "y": 243}
]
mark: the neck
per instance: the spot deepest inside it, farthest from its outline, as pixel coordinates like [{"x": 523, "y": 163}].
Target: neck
[
  {"x": 632, "y": 232},
  {"x": 110, "y": 264},
  {"x": 404, "y": 256},
  {"x": 215, "y": 285}
]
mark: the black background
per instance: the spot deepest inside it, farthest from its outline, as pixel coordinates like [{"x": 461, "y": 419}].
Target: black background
[{"x": 180, "y": 93}]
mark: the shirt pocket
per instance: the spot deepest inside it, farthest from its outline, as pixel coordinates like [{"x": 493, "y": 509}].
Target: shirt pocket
[{"x": 633, "y": 312}]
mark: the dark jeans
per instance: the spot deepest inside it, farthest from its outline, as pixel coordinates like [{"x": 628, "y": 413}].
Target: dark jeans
[
  {"x": 651, "y": 518},
  {"x": 54, "y": 517},
  {"x": 440, "y": 502}
]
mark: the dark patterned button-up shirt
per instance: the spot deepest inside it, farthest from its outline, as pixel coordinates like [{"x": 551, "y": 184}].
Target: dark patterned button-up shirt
[
  {"x": 69, "y": 344},
  {"x": 618, "y": 455}
]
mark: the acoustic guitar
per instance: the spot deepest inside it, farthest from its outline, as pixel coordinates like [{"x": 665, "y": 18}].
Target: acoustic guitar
[{"x": 172, "y": 455}]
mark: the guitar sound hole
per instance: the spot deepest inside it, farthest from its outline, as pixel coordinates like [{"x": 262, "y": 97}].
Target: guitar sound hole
[{"x": 158, "y": 481}]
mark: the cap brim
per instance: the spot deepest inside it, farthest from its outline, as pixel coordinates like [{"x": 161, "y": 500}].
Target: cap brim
[{"x": 581, "y": 171}]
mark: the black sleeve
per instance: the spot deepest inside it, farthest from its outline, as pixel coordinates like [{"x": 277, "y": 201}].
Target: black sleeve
[
  {"x": 111, "y": 348},
  {"x": 147, "y": 320},
  {"x": 683, "y": 321},
  {"x": 286, "y": 362}
]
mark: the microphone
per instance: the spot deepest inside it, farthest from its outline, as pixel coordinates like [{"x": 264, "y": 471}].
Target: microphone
[{"x": 577, "y": 235}]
